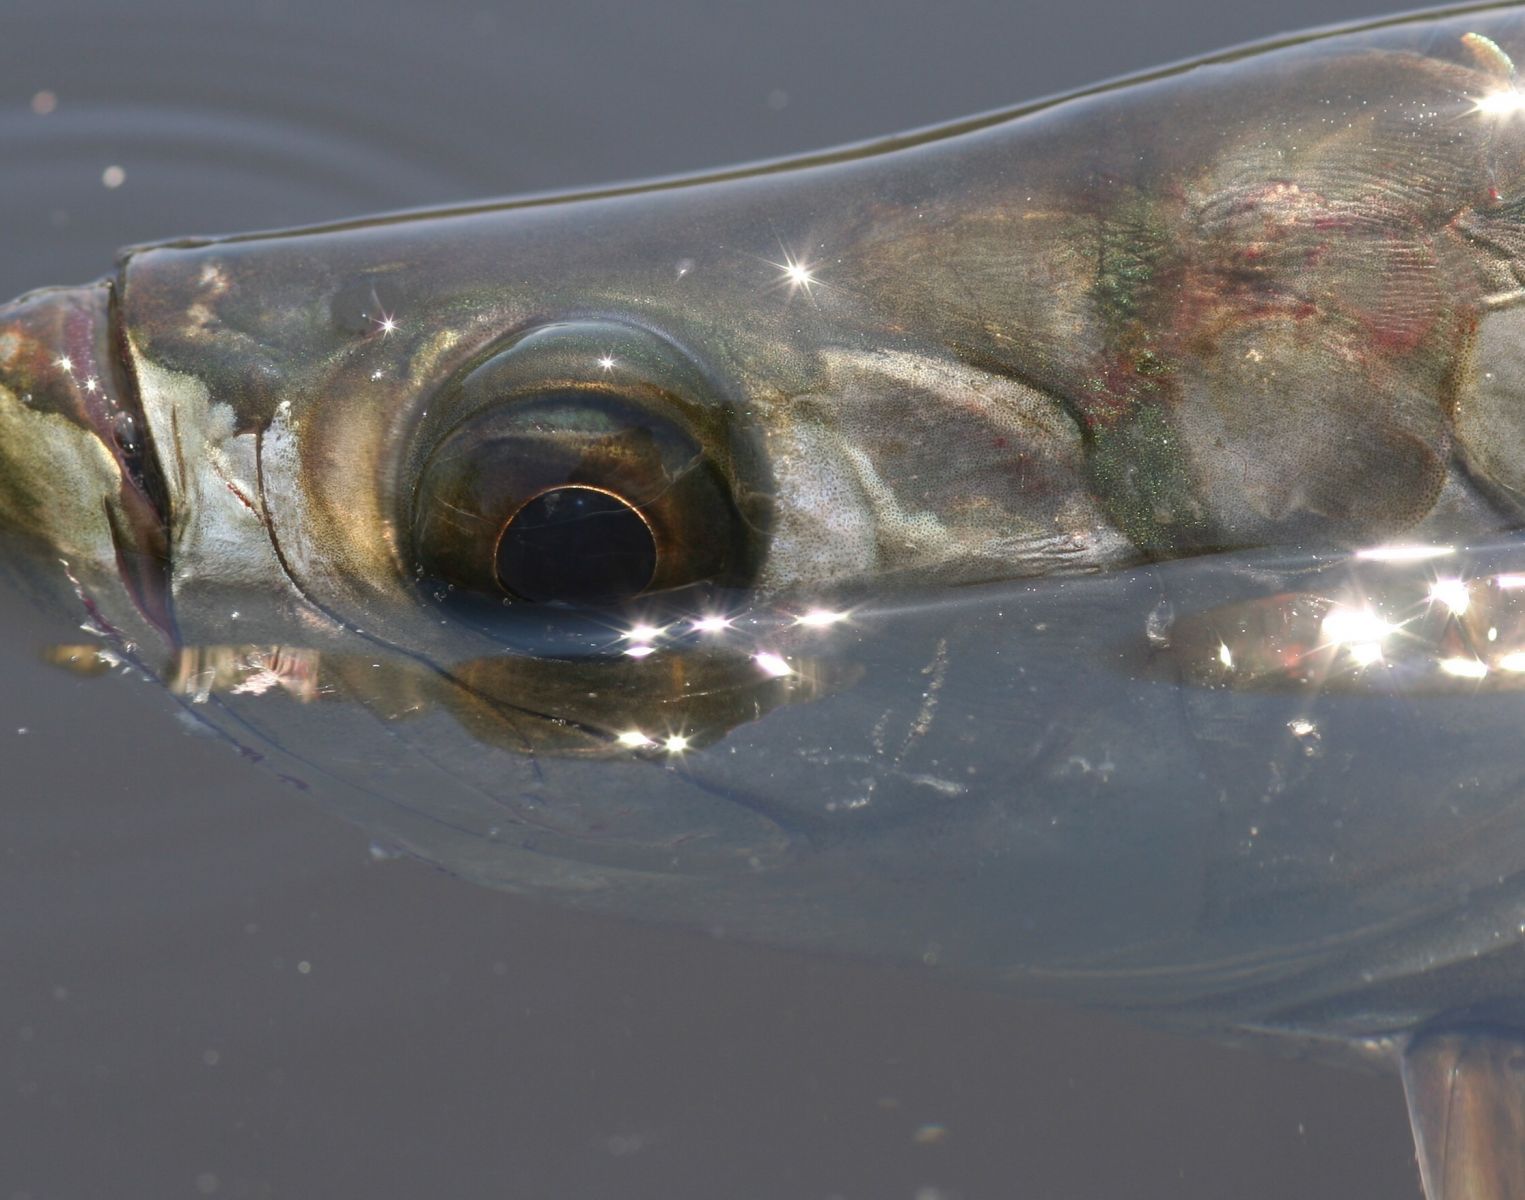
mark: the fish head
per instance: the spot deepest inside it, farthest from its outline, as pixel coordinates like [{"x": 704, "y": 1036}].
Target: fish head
[
  {"x": 622, "y": 549},
  {"x": 560, "y": 430},
  {"x": 583, "y": 570}
]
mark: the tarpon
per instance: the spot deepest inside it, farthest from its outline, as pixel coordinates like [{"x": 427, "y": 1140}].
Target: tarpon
[{"x": 1077, "y": 549}]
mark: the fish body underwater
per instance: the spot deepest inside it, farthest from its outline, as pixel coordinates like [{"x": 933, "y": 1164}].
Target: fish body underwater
[{"x": 1077, "y": 548}]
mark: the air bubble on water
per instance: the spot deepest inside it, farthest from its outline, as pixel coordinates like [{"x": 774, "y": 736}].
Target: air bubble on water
[{"x": 1157, "y": 626}]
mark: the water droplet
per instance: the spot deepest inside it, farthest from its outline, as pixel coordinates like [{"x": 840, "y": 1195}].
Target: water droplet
[{"x": 361, "y": 305}]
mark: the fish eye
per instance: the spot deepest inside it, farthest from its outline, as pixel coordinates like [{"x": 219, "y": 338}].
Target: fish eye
[{"x": 562, "y": 482}]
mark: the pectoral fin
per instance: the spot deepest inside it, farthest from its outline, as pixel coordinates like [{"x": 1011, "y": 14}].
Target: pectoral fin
[{"x": 1465, "y": 1085}]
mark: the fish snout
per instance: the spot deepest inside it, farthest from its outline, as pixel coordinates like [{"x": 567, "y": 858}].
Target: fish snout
[
  {"x": 78, "y": 480},
  {"x": 56, "y": 362}
]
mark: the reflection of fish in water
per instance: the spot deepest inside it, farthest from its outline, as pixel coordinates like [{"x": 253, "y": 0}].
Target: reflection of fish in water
[
  {"x": 948, "y": 550},
  {"x": 587, "y": 699}
]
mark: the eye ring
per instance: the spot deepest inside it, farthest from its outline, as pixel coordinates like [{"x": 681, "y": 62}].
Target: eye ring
[{"x": 532, "y": 566}]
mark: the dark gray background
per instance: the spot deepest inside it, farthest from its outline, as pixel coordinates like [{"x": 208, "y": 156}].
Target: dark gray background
[{"x": 209, "y": 987}]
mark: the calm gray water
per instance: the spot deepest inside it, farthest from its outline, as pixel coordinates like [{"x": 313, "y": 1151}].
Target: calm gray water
[{"x": 210, "y": 987}]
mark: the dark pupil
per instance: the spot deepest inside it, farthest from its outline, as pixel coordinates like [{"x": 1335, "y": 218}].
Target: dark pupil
[{"x": 576, "y": 545}]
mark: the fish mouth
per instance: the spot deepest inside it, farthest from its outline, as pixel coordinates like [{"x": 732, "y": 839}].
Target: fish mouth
[{"x": 62, "y": 364}]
